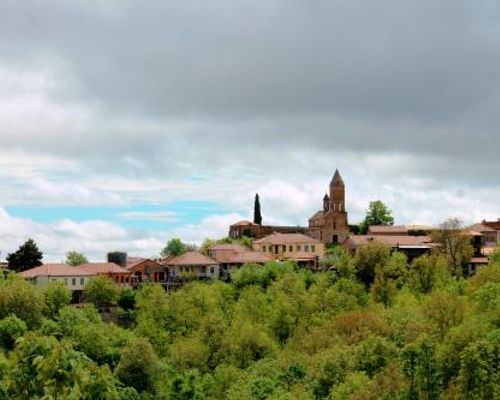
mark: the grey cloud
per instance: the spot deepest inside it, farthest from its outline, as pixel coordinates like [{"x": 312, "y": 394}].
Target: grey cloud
[{"x": 198, "y": 88}]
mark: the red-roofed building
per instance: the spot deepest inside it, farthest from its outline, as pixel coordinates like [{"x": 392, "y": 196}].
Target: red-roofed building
[
  {"x": 75, "y": 278},
  {"x": 120, "y": 275},
  {"x": 147, "y": 270},
  {"x": 193, "y": 263}
]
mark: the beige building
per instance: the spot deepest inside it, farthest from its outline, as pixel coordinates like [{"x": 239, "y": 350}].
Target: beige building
[
  {"x": 305, "y": 250},
  {"x": 230, "y": 257}
]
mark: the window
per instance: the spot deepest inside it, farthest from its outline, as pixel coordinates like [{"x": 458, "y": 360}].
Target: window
[
  {"x": 65, "y": 281},
  {"x": 73, "y": 281},
  {"x": 313, "y": 248},
  {"x": 82, "y": 281},
  {"x": 306, "y": 248},
  {"x": 290, "y": 249},
  {"x": 212, "y": 270},
  {"x": 299, "y": 248},
  {"x": 334, "y": 224},
  {"x": 264, "y": 249}
]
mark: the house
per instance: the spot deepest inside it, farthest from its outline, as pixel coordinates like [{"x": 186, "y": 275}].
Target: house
[
  {"x": 292, "y": 246},
  {"x": 232, "y": 256},
  {"x": 192, "y": 263},
  {"x": 147, "y": 270},
  {"x": 74, "y": 278},
  {"x": 120, "y": 275},
  {"x": 490, "y": 232},
  {"x": 330, "y": 225},
  {"x": 412, "y": 246}
]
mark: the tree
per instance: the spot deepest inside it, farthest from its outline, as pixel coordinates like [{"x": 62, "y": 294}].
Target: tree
[
  {"x": 174, "y": 248},
  {"x": 22, "y": 299},
  {"x": 57, "y": 295},
  {"x": 101, "y": 291},
  {"x": 26, "y": 257},
  {"x": 137, "y": 365},
  {"x": 257, "y": 216},
  {"x": 368, "y": 257},
  {"x": 454, "y": 244},
  {"x": 74, "y": 258},
  {"x": 377, "y": 214},
  {"x": 426, "y": 271},
  {"x": 11, "y": 328}
]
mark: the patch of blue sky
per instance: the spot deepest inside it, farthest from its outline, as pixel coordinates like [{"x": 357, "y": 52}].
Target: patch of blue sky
[{"x": 140, "y": 216}]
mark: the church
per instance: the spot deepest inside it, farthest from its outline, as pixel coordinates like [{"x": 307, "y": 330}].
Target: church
[{"x": 330, "y": 225}]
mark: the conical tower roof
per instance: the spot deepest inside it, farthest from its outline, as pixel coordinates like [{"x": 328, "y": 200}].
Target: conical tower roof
[
  {"x": 337, "y": 179},
  {"x": 326, "y": 198}
]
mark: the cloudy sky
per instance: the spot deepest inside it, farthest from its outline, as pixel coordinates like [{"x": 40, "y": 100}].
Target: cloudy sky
[{"x": 124, "y": 123}]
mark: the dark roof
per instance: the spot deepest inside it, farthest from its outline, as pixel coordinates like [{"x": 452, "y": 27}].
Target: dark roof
[{"x": 326, "y": 198}]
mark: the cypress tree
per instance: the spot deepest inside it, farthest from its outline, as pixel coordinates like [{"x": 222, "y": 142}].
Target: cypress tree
[{"x": 257, "y": 216}]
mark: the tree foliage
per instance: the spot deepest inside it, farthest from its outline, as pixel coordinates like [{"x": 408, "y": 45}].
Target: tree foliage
[
  {"x": 174, "y": 247},
  {"x": 274, "y": 332},
  {"x": 377, "y": 214},
  {"x": 27, "y": 256},
  {"x": 75, "y": 258}
]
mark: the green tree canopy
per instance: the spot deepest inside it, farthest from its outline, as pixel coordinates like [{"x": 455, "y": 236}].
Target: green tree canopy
[
  {"x": 101, "y": 291},
  {"x": 174, "y": 247},
  {"x": 377, "y": 214},
  {"x": 27, "y": 256},
  {"x": 75, "y": 258}
]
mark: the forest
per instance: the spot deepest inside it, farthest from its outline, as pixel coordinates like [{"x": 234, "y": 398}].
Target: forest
[{"x": 373, "y": 326}]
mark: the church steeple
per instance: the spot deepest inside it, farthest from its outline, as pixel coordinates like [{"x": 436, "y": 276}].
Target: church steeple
[
  {"x": 337, "y": 193},
  {"x": 337, "y": 179}
]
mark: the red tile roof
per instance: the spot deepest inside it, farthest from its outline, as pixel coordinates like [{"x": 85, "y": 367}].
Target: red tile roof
[
  {"x": 248, "y": 257},
  {"x": 387, "y": 229},
  {"x": 481, "y": 228},
  {"x": 286, "y": 238},
  {"x": 393, "y": 240},
  {"x": 229, "y": 246},
  {"x": 190, "y": 258},
  {"x": 104, "y": 268},
  {"x": 244, "y": 223},
  {"x": 55, "y": 270}
]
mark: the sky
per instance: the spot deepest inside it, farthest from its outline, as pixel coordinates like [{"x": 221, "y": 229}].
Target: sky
[{"x": 125, "y": 123}]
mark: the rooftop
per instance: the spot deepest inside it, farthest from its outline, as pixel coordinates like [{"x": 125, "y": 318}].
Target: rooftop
[
  {"x": 190, "y": 258},
  {"x": 55, "y": 270},
  {"x": 103, "y": 268},
  {"x": 286, "y": 238}
]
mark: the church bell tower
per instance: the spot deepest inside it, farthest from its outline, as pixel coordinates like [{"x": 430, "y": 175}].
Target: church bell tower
[{"x": 337, "y": 193}]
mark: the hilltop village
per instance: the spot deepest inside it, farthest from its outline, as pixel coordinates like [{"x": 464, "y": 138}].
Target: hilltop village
[{"x": 251, "y": 242}]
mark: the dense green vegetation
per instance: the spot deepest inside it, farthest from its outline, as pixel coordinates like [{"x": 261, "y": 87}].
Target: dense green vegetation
[{"x": 370, "y": 327}]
